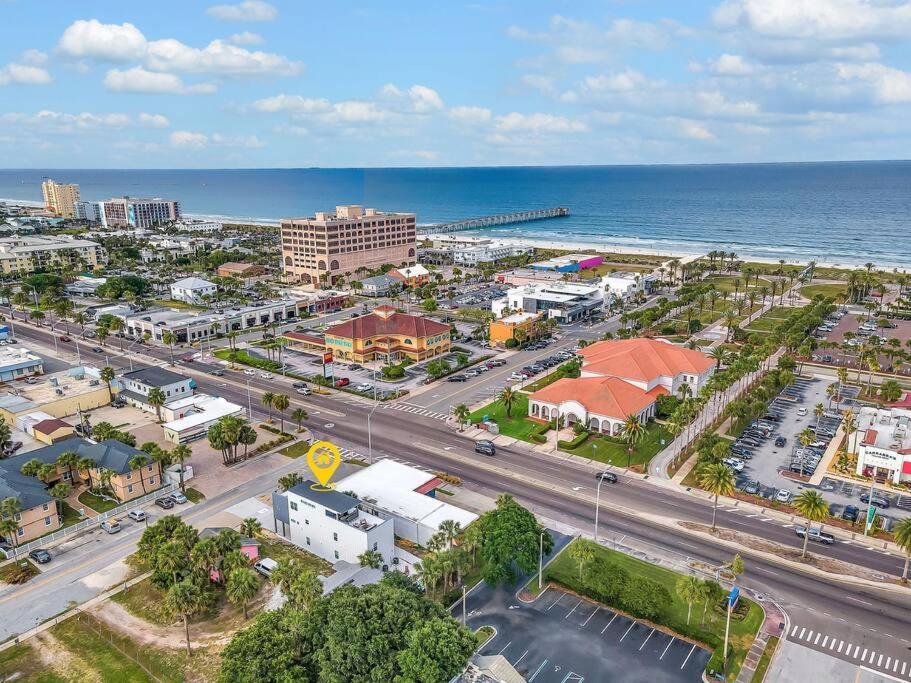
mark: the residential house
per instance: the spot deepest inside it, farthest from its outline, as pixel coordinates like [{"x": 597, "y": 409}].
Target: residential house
[
  {"x": 249, "y": 548},
  {"x": 380, "y": 285},
  {"x": 411, "y": 276},
  {"x": 193, "y": 290},
  {"x": 136, "y": 386}
]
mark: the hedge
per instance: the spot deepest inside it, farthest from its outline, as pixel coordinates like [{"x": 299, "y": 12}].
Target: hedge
[
  {"x": 537, "y": 436},
  {"x": 575, "y": 442}
]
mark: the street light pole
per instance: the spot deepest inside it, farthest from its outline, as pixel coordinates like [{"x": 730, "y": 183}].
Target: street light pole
[
  {"x": 598, "y": 505},
  {"x": 249, "y": 402},
  {"x": 540, "y": 560}
]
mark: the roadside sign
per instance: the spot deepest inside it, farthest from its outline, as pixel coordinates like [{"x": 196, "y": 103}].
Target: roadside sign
[
  {"x": 871, "y": 515},
  {"x": 733, "y": 597}
]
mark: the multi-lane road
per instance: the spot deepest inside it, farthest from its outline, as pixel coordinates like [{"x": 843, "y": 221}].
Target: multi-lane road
[{"x": 561, "y": 489}]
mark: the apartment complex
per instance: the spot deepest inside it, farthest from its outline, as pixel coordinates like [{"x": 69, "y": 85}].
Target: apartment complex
[
  {"x": 620, "y": 378},
  {"x": 24, "y": 255},
  {"x": 317, "y": 250},
  {"x": 60, "y": 198},
  {"x": 132, "y": 212}
]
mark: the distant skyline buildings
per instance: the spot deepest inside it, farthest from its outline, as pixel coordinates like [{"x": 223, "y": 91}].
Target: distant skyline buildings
[
  {"x": 60, "y": 198},
  {"x": 180, "y": 85}
]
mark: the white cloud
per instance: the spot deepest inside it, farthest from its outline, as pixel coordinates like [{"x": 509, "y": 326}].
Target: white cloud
[
  {"x": 470, "y": 115},
  {"x": 24, "y": 74},
  {"x": 141, "y": 80},
  {"x": 153, "y": 120},
  {"x": 188, "y": 139},
  {"x": 716, "y": 104},
  {"x": 63, "y": 122},
  {"x": 538, "y": 123},
  {"x": 546, "y": 85},
  {"x": 124, "y": 42},
  {"x": 425, "y": 99},
  {"x": 886, "y": 85},
  {"x": 245, "y": 38},
  {"x": 695, "y": 131},
  {"x": 292, "y": 103},
  {"x": 34, "y": 57},
  {"x": 731, "y": 65},
  {"x": 627, "y": 80},
  {"x": 106, "y": 42},
  {"x": 249, "y": 10},
  {"x": 247, "y": 141}
]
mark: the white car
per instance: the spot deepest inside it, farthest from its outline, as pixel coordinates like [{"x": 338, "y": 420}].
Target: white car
[
  {"x": 517, "y": 377},
  {"x": 266, "y": 375},
  {"x": 363, "y": 387},
  {"x": 734, "y": 464},
  {"x": 801, "y": 411},
  {"x": 250, "y": 372},
  {"x": 783, "y": 496},
  {"x": 303, "y": 391}
]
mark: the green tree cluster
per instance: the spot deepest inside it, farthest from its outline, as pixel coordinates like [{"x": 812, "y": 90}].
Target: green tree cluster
[{"x": 510, "y": 538}]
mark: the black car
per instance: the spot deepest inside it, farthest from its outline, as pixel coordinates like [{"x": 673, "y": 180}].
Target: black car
[
  {"x": 457, "y": 378},
  {"x": 217, "y": 373},
  {"x": 780, "y": 441},
  {"x": 165, "y": 503},
  {"x": 606, "y": 476},
  {"x": 850, "y": 513},
  {"x": 485, "y": 447},
  {"x": 97, "y": 349},
  {"x": 878, "y": 501},
  {"x": 40, "y": 555},
  {"x": 299, "y": 385}
]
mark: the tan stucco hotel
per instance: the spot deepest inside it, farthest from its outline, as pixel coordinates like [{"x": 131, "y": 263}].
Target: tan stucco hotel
[{"x": 317, "y": 250}]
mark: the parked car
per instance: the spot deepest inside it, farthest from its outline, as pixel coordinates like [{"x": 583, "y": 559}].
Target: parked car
[
  {"x": 877, "y": 502},
  {"x": 137, "y": 515},
  {"x": 517, "y": 377},
  {"x": 485, "y": 447},
  {"x": 112, "y": 526},
  {"x": 165, "y": 502},
  {"x": 457, "y": 378},
  {"x": 342, "y": 382},
  {"x": 40, "y": 555},
  {"x": 815, "y": 534},
  {"x": 265, "y": 566},
  {"x": 606, "y": 476},
  {"x": 783, "y": 496},
  {"x": 850, "y": 513},
  {"x": 780, "y": 441},
  {"x": 801, "y": 411},
  {"x": 178, "y": 497},
  {"x": 734, "y": 464},
  {"x": 751, "y": 488}
]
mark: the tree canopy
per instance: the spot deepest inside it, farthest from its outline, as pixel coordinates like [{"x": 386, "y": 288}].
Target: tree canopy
[{"x": 511, "y": 537}]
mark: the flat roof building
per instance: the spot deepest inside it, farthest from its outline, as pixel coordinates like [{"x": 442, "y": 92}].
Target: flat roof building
[
  {"x": 563, "y": 301},
  {"x": 60, "y": 198},
  {"x": 570, "y": 263},
  {"x": 884, "y": 443},
  {"x": 27, "y": 254},
  {"x": 137, "y": 212},
  {"x": 58, "y": 394},
  {"x": 319, "y": 249},
  {"x": 193, "y": 290},
  {"x": 17, "y": 362}
]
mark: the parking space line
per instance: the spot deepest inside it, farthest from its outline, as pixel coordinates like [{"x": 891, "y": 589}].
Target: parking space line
[
  {"x": 562, "y": 595},
  {"x": 669, "y": 643},
  {"x": 585, "y": 623},
  {"x": 504, "y": 647},
  {"x": 687, "y": 657},
  {"x": 573, "y": 609},
  {"x": 515, "y": 663},
  {"x": 627, "y": 631},
  {"x": 537, "y": 671},
  {"x": 646, "y": 640},
  {"x": 609, "y": 623}
]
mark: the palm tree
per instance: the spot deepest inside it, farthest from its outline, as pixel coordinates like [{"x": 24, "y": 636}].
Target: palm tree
[
  {"x": 299, "y": 415},
  {"x": 582, "y": 551},
  {"x": 281, "y": 402},
  {"x": 689, "y": 588},
  {"x": 719, "y": 355},
  {"x": 508, "y": 398},
  {"x": 86, "y": 465},
  {"x": 450, "y": 530},
  {"x": 68, "y": 459},
  {"x": 902, "y": 534},
  {"x": 137, "y": 462},
  {"x": 429, "y": 572},
  {"x": 811, "y": 505},
  {"x": 632, "y": 432},
  {"x": 81, "y": 319},
  {"x": 289, "y": 481},
  {"x": 9, "y": 527},
  {"x": 250, "y": 527},
  {"x": 184, "y": 599},
  {"x": 241, "y": 586},
  {"x": 107, "y": 375},
  {"x": 156, "y": 399},
  {"x": 180, "y": 454},
  {"x": 461, "y": 413},
  {"x": 717, "y": 479},
  {"x": 102, "y": 333},
  {"x": 371, "y": 558},
  {"x": 267, "y": 401},
  {"x": 168, "y": 338}
]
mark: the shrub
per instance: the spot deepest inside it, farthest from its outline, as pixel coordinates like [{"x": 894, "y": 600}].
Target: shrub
[
  {"x": 668, "y": 329},
  {"x": 393, "y": 372},
  {"x": 666, "y": 405},
  {"x": 572, "y": 443},
  {"x": 511, "y": 343},
  {"x": 646, "y": 598},
  {"x": 449, "y": 478},
  {"x": 695, "y": 326}
]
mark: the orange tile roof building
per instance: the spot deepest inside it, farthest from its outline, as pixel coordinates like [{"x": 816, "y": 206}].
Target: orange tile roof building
[
  {"x": 621, "y": 378},
  {"x": 389, "y": 336}
]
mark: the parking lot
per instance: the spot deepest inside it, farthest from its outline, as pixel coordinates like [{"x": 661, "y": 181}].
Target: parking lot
[
  {"x": 562, "y": 638},
  {"x": 840, "y": 328},
  {"x": 478, "y": 296}
]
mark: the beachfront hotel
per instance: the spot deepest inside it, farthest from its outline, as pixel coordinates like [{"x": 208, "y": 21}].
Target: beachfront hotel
[
  {"x": 319, "y": 249},
  {"x": 60, "y": 198},
  {"x": 130, "y": 212}
]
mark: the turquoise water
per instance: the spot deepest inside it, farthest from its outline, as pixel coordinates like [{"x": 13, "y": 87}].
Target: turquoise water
[{"x": 833, "y": 212}]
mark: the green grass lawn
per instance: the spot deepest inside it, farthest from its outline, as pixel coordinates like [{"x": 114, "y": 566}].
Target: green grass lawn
[
  {"x": 726, "y": 283},
  {"x": 765, "y": 659},
  {"x": 90, "y": 500},
  {"x": 271, "y": 547},
  {"x": 70, "y": 515},
  {"x": 295, "y": 450},
  {"x": 144, "y": 601},
  {"x": 23, "y": 664},
  {"x": 245, "y": 358},
  {"x": 763, "y": 324},
  {"x": 564, "y": 571},
  {"x": 518, "y": 426},
  {"x": 546, "y": 380},
  {"x": 193, "y": 495},
  {"x": 833, "y": 290},
  {"x": 609, "y": 449}
]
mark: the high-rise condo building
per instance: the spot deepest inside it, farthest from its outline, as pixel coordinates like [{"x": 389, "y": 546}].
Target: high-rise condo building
[
  {"x": 346, "y": 242},
  {"x": 60, "y": 198},
  {"x": 135, "y": 212}
]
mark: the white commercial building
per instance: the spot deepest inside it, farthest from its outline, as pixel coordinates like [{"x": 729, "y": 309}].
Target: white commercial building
[
  {"x": 197, "y": 225},
  {"x": 406, "y": 495},
  {"x": 884, "y": 443},
  {"x": 563, "y": 301},
  {"x": 195, "y": 414},
  {"x": 472, "y": 251},
  {"x": 193, "y": 290},
  {"x": 17, "y": 362},
  {"x": 626, "y": 286},
  {"x": 331, "y": 524}
]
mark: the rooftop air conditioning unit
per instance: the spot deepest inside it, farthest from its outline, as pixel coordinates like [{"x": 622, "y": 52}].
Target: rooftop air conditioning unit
[
  {"x": 93, "y": 383},
  {"x": 59, "y": 392}
]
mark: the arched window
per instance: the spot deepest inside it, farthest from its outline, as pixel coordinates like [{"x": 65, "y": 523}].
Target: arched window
[
  {"x": 287, "y": 260},
  {"x": 333, "y": 265},
  {"x": 411, "y": 253},
  {"x": 321, "y": 265},
  {"x": 408, "y": 341}
]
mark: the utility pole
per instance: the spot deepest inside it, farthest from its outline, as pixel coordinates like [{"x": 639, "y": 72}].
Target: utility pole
[{"x": 540, "y": 560}]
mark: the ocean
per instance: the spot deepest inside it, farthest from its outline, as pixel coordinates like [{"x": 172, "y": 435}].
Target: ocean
[{"x": 845, "y": 212}]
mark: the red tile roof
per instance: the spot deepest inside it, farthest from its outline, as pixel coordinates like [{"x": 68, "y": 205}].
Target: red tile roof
[
  {"x": 607, "y": 396},
  {"x": 384, "y": 320},
  {"x": 642, "y": 359},
  {"x": 48, "y": 426}
]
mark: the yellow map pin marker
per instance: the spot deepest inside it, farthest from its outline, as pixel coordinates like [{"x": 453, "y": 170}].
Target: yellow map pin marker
[{"x": 323, "y": 458}]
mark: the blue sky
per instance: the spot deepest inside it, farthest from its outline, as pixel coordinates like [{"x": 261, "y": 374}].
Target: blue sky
[{"x": 406, "y": 83}]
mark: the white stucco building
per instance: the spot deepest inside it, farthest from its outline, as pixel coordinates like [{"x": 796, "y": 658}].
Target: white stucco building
[
  {"x": 193, "y": 290},
  {"x": 565, "y": 302},
  {"x": 884, "y": 443}
]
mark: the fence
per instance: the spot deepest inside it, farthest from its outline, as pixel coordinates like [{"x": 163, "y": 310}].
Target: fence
[{"x": 87, "y": 523}]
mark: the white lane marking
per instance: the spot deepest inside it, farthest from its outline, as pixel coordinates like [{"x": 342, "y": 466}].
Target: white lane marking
[
  {"x": 669, "y": 643},
  {"x": 515, "y": 663},
  {"x": 585, "y": 623},
  {"x": 535, "y": 674},
  {"x": 573, "y": 609},
  {"x": 687, "y": 657},
  {"x": 504, "y": 647},
  {"x": 646, "y": 640},
  {"x": 627, "y": 631},
  {"x": 862, "y": 602},
  {"x": 609, "y": 623}
]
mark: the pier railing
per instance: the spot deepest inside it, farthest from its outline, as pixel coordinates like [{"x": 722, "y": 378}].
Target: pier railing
[{"x": 501, "y": 219}]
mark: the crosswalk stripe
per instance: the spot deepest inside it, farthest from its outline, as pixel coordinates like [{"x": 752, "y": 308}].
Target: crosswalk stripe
[
  {"x": 818, "y": 636},
  {"x": 863, "y": 656},
  {"x": 802, "y": 631},
  {"x": 841, "y": 644},
  {"x": 824, "y": 641},
  {"x": 832, "y": 644},
  {"x": 794, "y": 629},
  {"x": 888, "y": 661}
]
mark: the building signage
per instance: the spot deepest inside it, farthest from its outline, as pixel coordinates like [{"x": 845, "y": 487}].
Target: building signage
[
  {"x": 327, "y": 357},
  {"x": 878, "y": 457}
]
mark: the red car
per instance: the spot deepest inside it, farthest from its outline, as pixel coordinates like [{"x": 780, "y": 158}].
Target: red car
[
  {"x": 64, "y": 338},
  {"x": 342, "y": 382}
]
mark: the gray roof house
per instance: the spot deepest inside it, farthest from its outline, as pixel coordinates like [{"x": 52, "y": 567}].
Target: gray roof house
[{"x": 380, "y": 285}]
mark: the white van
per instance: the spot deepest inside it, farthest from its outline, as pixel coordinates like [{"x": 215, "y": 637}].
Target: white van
[
  {"x": 265, "y": 566},
  {"x": 112, "y": 526}
]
